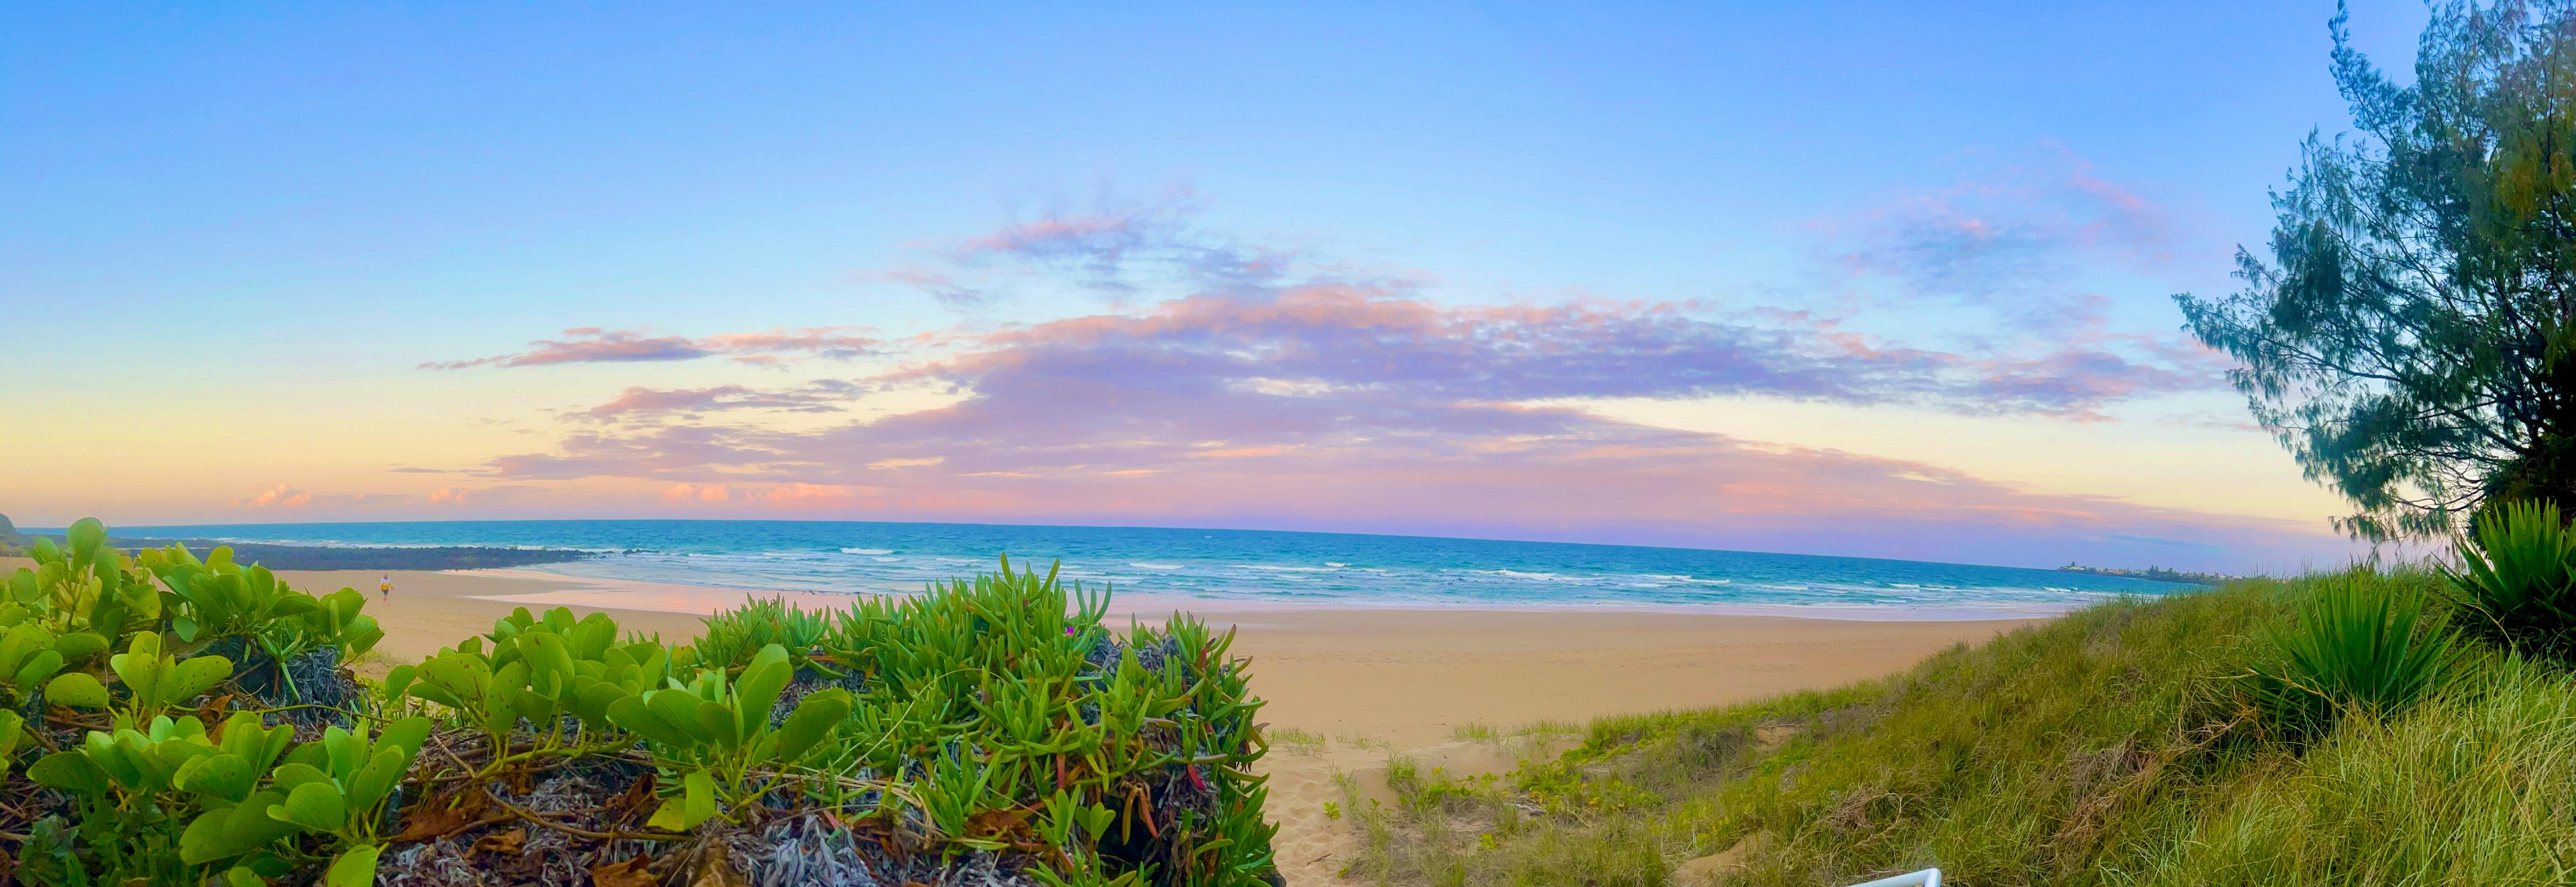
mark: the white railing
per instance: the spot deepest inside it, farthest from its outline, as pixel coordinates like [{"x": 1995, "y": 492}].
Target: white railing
[{"x": 1924, "y": 878}]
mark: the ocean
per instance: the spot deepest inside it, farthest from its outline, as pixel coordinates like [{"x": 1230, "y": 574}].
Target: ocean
[{"x": 1238, "y": 566}]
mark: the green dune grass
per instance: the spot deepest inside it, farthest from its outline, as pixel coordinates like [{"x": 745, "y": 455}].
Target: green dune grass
[{"x": 2128, "y": 743}]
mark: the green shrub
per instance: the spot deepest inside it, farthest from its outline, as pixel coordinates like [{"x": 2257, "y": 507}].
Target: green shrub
[
  {"x": 2359, "y": 644},
  {"x": 989, "y": 729},
  {"x": 2517, "y": 579}
]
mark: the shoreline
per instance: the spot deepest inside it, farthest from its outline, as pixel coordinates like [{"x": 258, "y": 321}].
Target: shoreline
[{"x": 603, "y": 592}]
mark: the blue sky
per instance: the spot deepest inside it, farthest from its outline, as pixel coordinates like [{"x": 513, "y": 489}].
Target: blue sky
[{"x": 260, "y": 220}]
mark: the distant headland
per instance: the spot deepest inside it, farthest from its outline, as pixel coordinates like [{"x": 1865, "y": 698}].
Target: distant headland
[
  {"x": 320, "y": 557},
  {"x": 2152, "y": 574}
]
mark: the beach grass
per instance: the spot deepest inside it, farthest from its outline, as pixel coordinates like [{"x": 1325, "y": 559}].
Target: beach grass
[{"x": 2123, "y": 744}]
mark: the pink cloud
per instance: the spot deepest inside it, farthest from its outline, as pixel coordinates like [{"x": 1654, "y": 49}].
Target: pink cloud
[
  {"x": 1343, "y": 407},
  {"x": 590, "y": 344},
  {"x": 1272, "y": 391},
  {"x": 280, "y": 496},
  {"x": 820, "y": 396}
]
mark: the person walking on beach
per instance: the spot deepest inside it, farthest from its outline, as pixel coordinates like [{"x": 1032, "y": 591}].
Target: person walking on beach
[{"x": 385, "y": 587}]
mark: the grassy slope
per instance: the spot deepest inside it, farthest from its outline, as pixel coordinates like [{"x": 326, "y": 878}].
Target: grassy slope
[{"x": 2109, "y": 747}]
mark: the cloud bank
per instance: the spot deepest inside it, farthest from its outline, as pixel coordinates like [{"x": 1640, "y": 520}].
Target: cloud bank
[{"x": 1265, "y": 389}]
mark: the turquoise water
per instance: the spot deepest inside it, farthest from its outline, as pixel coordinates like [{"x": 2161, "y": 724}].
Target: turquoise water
[{"x": 1237, "y": 565}]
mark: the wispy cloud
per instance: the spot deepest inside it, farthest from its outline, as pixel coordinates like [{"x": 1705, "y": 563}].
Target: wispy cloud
[
  {"x": 288, "y": 498},
  {"x": 819, "y": 396},
  {"x": 2016, "y": 241},
  {"x": 599, "y": 345},
  {"x": 1119, "y": 251}
]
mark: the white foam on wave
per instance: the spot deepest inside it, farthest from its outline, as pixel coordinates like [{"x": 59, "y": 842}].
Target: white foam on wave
[
  {"x": 1147, "y": 565},
  {"x": 885, "y": 560},
  {"x": 1272, "y": 569},
  {"x": 867, "y": 551}
]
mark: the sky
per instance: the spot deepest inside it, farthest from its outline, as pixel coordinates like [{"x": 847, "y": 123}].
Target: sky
[{"x": 1875, "y": 279}]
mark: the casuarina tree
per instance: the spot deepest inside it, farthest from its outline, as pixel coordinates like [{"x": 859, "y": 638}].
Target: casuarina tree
[{"x": 2412, "y": 337}]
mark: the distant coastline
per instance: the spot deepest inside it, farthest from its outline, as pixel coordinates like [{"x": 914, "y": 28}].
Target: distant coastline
[
  {"x": 338, "y": 557},
  {"x": 2152, "y": 574}
]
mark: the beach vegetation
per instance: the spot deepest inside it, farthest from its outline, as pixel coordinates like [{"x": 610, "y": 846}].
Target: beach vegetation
[
  {"x": 2355, "y": 643},
  {"x": 2516, "y": 582},
  {"x": 2127, "y": 743},
  {"x": 197, "y": 722},
  {"x": 1290, "y": 740},
  {"x": 2408, "y": 336}
]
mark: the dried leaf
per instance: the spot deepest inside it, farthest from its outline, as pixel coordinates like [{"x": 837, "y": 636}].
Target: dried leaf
[
  {"x": 505, "y": 843},
  {"x": 631, "y": 873},
  {"x": 639, "y": 799},
  {"x": 714, "y": 870},
  {"x": 995, "y": 823},
  {"x": 439, "y": 816}
]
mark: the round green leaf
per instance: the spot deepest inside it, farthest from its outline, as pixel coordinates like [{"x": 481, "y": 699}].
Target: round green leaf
[
  {"x": 356, "y": 868},
  {"x": 69, "y": 771},
  {"x": 77, "y": 689},
  {"x": 316, "y": 806}
]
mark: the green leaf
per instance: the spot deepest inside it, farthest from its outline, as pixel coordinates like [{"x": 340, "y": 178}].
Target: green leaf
[
  {"x": 699, "y": 787},
  {"x": 356, "y": 868},
  {"x": 406, "y": 734},
  {"x": 225, "y": 776},
  {"x": 549, "y": 660},
  {"x": 397, "y": 681},
  {"x": 249, "y": 739},
  {"x": 77, "y": 689},
  {"x": 347, "y": 750},
  {"x": 42, "y": 666},
  {"x": 631, "y": 714},
  {"x": 679, "y": 709},
  {"x": 295, "y": 773},
  {"x": 233, "y": 831},
  {"x": 814, "y": 718},
  {"x": 761, "y": 684},
  {"x": 195, "y": 676},
  {"x": 375, "y": 779},
  {"x": 696, "y": 804},
  {"x": 80, "y": 643},
  {"x": 722, "y": 726},
  {"x": 86, "y": 536},
  {"x": 360, "y": 636},
  {"x": 593, "y": 699},
  {"x": 22, "y": 639},
  {"x": 316, "y": 806},
  {"x": 672, "y": 816},
  {"x": 592, "y": 637},
  {"x": 242, "y": 876},
  {"x": 69, "y": 771}
]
